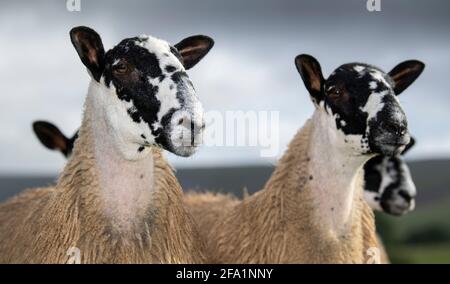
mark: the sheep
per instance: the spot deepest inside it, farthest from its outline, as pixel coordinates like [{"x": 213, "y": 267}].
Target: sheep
[
  {"x": 311, "y": 210},
  {"x": 388, "y": 185},
  {"x": 389, "y": 188},
  {"x": 117, "y": 199}
]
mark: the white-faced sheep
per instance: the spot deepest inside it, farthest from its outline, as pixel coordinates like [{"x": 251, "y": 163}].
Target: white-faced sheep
[
  {"x": 117, "y": 199},
  {"x": 312, "y": 209}
]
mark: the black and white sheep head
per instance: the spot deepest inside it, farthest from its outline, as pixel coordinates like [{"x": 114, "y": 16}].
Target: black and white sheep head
[
  {"x": 361, "y": 104},
  {"x": 389, "y": 186},
  {"x": 147, "y": 95}
]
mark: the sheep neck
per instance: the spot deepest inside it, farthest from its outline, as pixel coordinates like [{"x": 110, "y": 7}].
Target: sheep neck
[
  {"x": 334, "y": 169},
  {"x": 314, "y": 198},
  {"x": 125, "y": 187}
]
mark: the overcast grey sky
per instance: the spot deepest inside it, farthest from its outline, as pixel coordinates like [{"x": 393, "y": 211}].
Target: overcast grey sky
[{"x": 250, "y": 68}]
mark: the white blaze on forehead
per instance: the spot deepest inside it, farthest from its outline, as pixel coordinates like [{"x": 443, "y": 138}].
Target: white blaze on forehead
[
  {"x": 166, "y": 96},
  {"x": 153, "y": 44},
  {"x": 161, "y": 49},
  {"x": 373, "y": 85},
  {"x": 374, "y": 104},
  {"x": 379, "y": 76},
  {"x": 359, "y": 68}
]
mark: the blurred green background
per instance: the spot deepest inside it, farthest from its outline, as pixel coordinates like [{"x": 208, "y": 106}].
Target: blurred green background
[{"x": 422, "y": 236}]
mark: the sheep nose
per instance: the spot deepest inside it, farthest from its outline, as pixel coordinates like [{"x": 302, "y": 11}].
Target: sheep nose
[
  {"x": 405, "y": 195},
  {"x": 192, "y": 123},
  {"x": 397, "y": 128}
]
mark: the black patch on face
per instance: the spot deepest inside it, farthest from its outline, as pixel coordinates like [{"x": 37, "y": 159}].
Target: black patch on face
[
  {"x": 163, "y": 139},
  {"x": 346, "y": 91},
  {"x": 170, "y": 68},
  {"x": 134, "y": 86},
  {"x": 180, "y": 78},
  {"x": 134, "y": 114},
  {"x": 373, "y": 179},
  {"x": 372, "y": 175},
  {"x": 140, "y": 149}
]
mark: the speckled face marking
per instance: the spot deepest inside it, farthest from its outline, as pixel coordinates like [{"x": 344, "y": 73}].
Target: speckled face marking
[
  {"x": 388, "y": 185},
  {"x": 361, "y": 100},
  {"x": 150, "y": 99}
]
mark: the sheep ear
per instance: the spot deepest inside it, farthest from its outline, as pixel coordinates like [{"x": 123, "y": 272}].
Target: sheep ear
[
  {"x": 193, "y": 49},
  {"x": 89, "y": 47},
  {"x": 50, "y": 136},
  {"x": 405, "y": 73},
  {"x": 409, "y": 146},
  {"x": 311, "y": 73}
]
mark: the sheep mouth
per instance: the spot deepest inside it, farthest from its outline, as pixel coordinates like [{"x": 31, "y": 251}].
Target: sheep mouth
[
  {"x": 389, "y": 147},
  {"x": 391, "y": 150},
  {"x": 186, "y": 151},
  {"x": 399, "y": 207}
]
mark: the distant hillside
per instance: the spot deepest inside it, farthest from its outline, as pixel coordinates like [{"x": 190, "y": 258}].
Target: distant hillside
[{"x": 432, "y": 179}]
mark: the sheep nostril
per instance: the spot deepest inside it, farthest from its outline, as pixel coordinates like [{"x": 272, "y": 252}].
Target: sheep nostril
[
  {"x": 390, "y": 127},
  {"x": 394, "y": 128},
  {"x": 405, "y": 195},
  {"x": 180, "y": 122},
  {"x": 402, "y": 130}
]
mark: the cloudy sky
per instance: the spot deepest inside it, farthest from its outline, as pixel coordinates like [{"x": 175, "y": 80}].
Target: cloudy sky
[{"x": 250, "y": 68}]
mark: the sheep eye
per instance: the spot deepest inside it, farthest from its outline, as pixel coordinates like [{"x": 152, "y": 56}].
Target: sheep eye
[
  {"x": 120, "y": 68},
  {"x": 334, "y": 92}
]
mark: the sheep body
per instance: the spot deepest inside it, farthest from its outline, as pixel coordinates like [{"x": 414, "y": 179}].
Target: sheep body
[
  {"x": 277, "y": 224},
  {"x": 41, "y": 225}
]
